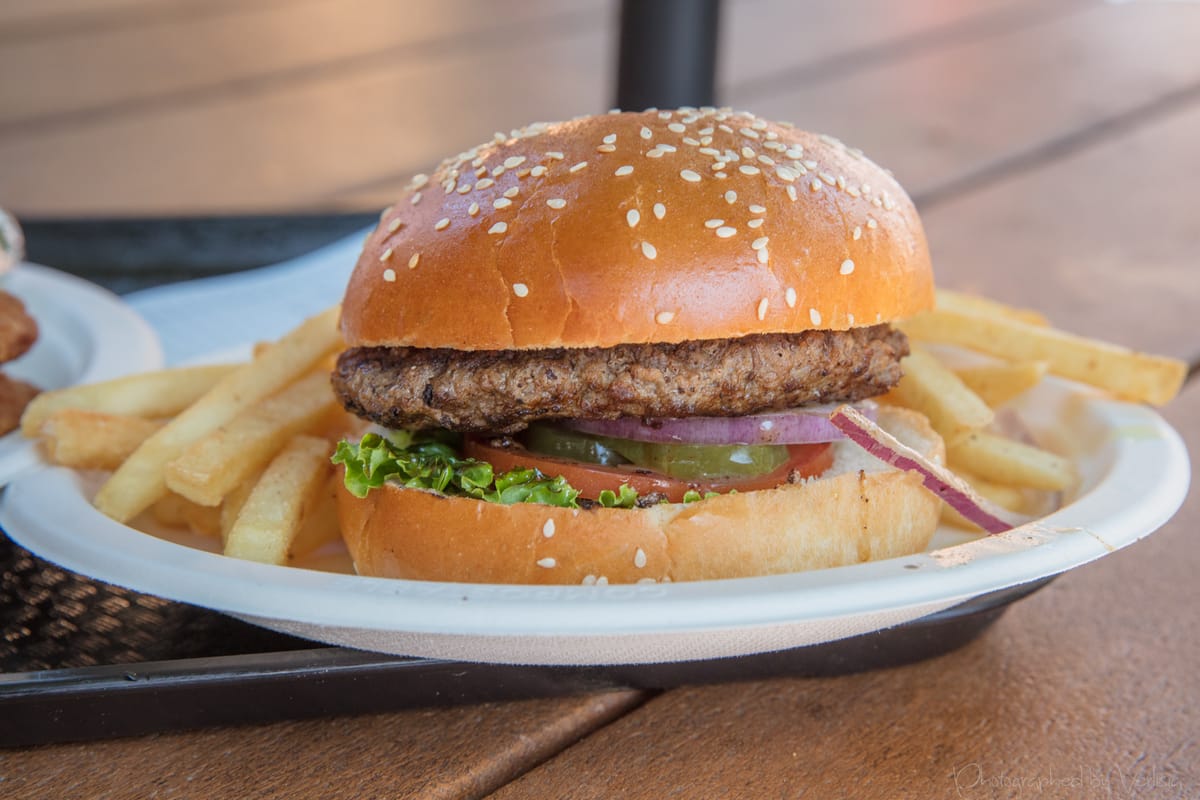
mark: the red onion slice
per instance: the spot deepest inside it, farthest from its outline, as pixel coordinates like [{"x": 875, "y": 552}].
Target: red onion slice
[
  {"x": 809, "y": 425},
  {"x": 937, "y": 479}
]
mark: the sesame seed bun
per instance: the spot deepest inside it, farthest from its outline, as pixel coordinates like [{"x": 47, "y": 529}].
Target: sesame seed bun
[
  {"x": 859, "y": 511},
  {"x": 660, "y": 226}
]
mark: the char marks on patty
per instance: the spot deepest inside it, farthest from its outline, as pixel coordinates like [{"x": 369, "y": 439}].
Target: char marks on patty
[{"x": 502, "y": 391}]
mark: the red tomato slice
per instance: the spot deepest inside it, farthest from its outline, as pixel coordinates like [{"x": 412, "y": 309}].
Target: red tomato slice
[{"x": 590, "y": 479}]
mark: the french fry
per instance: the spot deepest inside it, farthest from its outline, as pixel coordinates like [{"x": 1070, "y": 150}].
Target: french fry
[
  {"x": 179, "y": 512},
  {"x": 273, "y": 514},
  {"x": 320, "y": 524},
  {"x": 213, "y": 466},
  {"x": 91, "y": 439},
  {"x": 231, "y": 507},
  {"x": 996, "y": 384},
  {"x": 931, "y": 388},
  {"x": 141, "y": 480},
  {"x": 994, "y": 458},
  {"x": 978, "y": 306},
  {"x": 152, "y": 394},
  {"x": 1128, "y": 375}
]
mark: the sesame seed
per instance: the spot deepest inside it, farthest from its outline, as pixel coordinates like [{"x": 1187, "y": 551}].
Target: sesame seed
[
  {"x": 825, "y": 176},
  {"x": 385, "y": 255},
  {"x": 791, "y": 193},
  {"x": 790, "y": 297},
  {"x": 389, "y": 275},
  {"x": 663, "y": 317},
  {"x": 660, "y": 210},
  {"x": 484, "y": 183},
  {"x": 757, "y": 209},
  {"x": 632, "y": 216},
  {"x": 513, "y": 192},
  {"x": 556, "y": 202},
  {"x": 385, "y": 212},
  {"x": 557, "y": 156},
  {"x": 664, "y": 115},
  {"x": 606, "y": 148},
  {"x": 857, "y": 232},
  {"x": 648, "y": 251},
  {"x": 498, "y": 228},
  {"x": 815, "y": 316},
  {"x": 720, "y": 175},
  {"x": 847, "y": 267},
  {"x": 654, "y": 153},
  {"x": 473, "y": 209},
  {"x": 501, "y": 202},
  {"x": 512, "y": 162},
  {"x": 786, "y": 174},
  {"x": 755, "y": 223},
  {"x": 760, "y": 243},
  {"x": 725, "y": 232},
  {"x": 416, "y": 198},
  {"x": 547, "y": 562},
  {"x": 762, "y": 309},
  {"x": 731, "y": 196},
  {"x": 676, "y": 127},
  {"x": 623, "y": 171},
  {"x": 748, "y": 132},
  {"x": 548, "y": 528},
  {"x": 871, "y": 223},
  {"x": 849, "y": 319},
  {"x": 522, "y": 173},
  {"x": 815, "y": 186},
  {"x": 646, "y": 133},
  {"x": 589, "y": 580},
  {"x": 718, "y": 165},
  {"x": 725, "y": 128},
  {"x": 419, "y": 180},
  {"x": 667, "y": 148},
  {"x": 639, "y": 558},
  {"x": 690, "y": 176},
  {"x": 706, "y": 131},
  {"x": 763, "y": 257},
  {"x": 578, "y": 167},
  {"x": 602, "y": 580},
  {"x": 538, "y": 171},
  {"x": 709, "y": 151},
  {"x": 498, "y": 171},
  {"x": 464, "y": 188},
  {"x": 746, "y": 169},
  {"x": 690, "y": 141},
  {"x": 841, "y": 182},
  {"x": 747, "y": 153},
  {"x": 866, "y": 188},
  {"x": 646, "y": 580},
  {"x": 770, "y": 162},
  {"x": 610, "y": 138},
  {"x": 442, "y": 224},
  {"x": 714, "y": 223},
  {"x": 414, "y": 260},
  {"x": 520, "y": 290},
  {"x": 394, "y": 225}
]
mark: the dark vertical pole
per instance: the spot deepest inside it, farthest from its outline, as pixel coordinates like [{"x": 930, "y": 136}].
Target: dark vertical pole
[{"x": 668, "y": 53}]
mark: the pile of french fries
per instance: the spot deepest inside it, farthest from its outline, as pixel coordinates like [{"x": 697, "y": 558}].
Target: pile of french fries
[
  {"x": 241, "y": 451},
  {"x": 236, "y": 451},
  {"x": 961, "y": 403}
]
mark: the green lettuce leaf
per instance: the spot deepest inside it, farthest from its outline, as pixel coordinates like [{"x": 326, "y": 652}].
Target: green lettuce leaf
[{"x": 429, "y": 460}]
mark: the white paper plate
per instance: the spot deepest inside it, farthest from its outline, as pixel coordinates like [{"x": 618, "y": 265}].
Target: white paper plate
[
  {"x": 1134, "y": 472},
  {"x": 85, "y": 334}
]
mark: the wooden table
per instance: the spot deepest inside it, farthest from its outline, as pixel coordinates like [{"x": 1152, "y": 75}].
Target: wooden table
[{"x": 1053, "y": 150}]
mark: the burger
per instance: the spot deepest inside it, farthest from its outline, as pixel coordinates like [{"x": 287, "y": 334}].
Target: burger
[
  {"x": 18, "y": 332},
  {"x": 606, "y": 351}
]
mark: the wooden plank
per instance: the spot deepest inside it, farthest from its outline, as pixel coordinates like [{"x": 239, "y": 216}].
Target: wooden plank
[
  {"x": 1085, "y": 689},
  {"x": 951, "y": 110},
  {"x": 120, "y": 71},
  {"x": 1103, "y": 242},
  {"x": 773, "y": 46},
  {"x": 436, "y": 753}
]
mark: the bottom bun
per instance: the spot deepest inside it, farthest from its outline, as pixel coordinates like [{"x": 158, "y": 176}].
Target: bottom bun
[{"x": 860, "y": 510}]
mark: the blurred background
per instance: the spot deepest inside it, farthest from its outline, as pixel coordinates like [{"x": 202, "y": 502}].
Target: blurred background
[{"x": 181, "y": 108}]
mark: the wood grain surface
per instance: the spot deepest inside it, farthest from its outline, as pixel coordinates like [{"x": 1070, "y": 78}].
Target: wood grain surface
[{"x": 1052, "y": 148}]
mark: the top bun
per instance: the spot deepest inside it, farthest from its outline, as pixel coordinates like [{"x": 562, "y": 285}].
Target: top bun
[{"x": 659, "y": 226}]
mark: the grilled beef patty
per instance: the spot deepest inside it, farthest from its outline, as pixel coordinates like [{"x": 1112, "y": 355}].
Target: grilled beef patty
[{"x": 501, "y": 391}]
